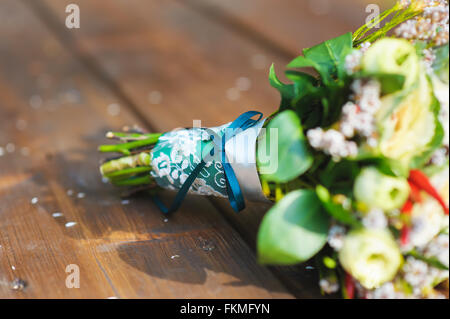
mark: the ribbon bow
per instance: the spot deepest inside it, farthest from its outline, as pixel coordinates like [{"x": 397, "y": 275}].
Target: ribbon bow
[{"x": 217, "y": 145}]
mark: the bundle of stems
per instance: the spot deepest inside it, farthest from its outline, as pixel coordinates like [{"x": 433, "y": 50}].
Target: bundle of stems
[{"x": 132, "y": 167}]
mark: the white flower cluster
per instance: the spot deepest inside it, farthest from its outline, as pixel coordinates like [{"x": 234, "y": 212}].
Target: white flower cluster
[
  {"x": 440, "y": 156},
  {"x": 336, "y": 236},
  {"x": 357, "y": 119},
  {"x": 428, "y": 60},
  {"x": 332, "y": 142},
  {"x": 375, "y": 219},
  {"x": 439, "y": 248},
  {"x": 385, "y": 291},
  {"x": 421, "y": 276},
  {"x": 353, "y": 60},
  {"x": 432, "y": 25},
  {"x": 329, "y": 285}
]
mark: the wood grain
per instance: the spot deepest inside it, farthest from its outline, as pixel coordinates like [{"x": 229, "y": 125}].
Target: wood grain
[
  {"x": 288, "y": 26},
  {"x": 180, "y": 57},
  {"x": 54, "y": 108}
]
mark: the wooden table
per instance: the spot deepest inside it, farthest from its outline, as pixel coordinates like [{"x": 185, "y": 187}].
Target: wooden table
[{"x": 158, "y": 64}]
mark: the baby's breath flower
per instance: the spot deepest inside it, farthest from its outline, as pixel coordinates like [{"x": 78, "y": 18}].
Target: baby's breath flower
[
  {"x": 357, "y": 118},
  {"x": 428, "y": 59},
  {"x": 332, "y": 142},
  {"x": 440, "y": 156},
  {"x": 431, "y": 25},
  {"x": 415, "y": 272},
  {"x": 365, "y": 46},
  {"x": 336, "y": 236},
  {"x": 385, "y": 291},
  {"x": 329, "y": 285},
  {"x": 375, "y": 219},
  {"x": 353, "y": 61},
  {"x": 439, "y": 248}
]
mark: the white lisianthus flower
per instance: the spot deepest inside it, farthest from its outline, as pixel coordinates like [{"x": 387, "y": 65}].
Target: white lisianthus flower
[
  {"x": 371, "y": 256},
  {"x": 377, "y": 190}
]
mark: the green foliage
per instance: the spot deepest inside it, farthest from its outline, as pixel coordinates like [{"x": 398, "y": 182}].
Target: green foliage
[
  {"x": 287, "y": 91},
  {"x": 293, "y": 155},
  {"x": 441, "y": 62},
  {"x": 369, "y": 32},
  {"x": 390, "y": 83},
  {"x": 436, "y": 142},
  {"x": 328, "y": 57},
  {"x": 293, "y": 230},
  {"x": 317, "y": 101},
  {"x": 336, "y": 210},
  {"x": 432, "y": 261},
  {"x": 338, "y": 177}
]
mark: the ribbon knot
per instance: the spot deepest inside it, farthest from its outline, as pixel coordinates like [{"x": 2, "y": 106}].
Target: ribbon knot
[{"x": 217, "y": 146}]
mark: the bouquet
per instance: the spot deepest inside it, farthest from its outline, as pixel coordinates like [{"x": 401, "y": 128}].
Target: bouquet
[{"x": 355, "y": 160}]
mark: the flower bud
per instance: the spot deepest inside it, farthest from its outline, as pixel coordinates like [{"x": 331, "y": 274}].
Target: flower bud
[
  {"x": 376, "y": 190},
  {"x": 371, "y": 256}
]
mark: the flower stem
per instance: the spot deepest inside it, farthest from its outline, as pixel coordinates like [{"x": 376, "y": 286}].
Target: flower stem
[
  {"x": 134, "y": 181},
  {"x": 131, "y": 169},
  {"x": 128, "y": 172},
  {"x": 125, "y": 148},
  {"x": 401, "y": 15}
]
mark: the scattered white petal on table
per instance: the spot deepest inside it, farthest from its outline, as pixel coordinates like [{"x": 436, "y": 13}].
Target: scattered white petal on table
[
  {"x": 155, "y": 97},
  {"x": 34, "y": 200},
  {"x": 243, "y": 83},
  {"x": 10, "y": 147},
  {"x": 233, "y": 94},
  {"x": 25, "y": 151},
  {"x": 35, "y": 101},
  {"x": 70, "y": 224},
  {"x": 113, "y": 109},
  {"x": 259, "y": 62},
  {"x": 21, "y": 124},
  {"x": 57, "y": 214}
]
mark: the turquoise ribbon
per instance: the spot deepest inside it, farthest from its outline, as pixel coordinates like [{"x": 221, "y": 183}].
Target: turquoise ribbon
[{"x": 243, "y": 122}]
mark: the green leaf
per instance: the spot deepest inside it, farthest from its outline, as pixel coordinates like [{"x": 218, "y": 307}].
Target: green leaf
[
  {"x": 337, "y": 211},
  {"x": 293, "y": 230},
  {"x": 390, "y": 83},
  {"x": 329, "y": 55},
  {"x": 302, "y": 62},
  {"x": 326, "y": 58},
  {"x": 386, "y": 165},
  {"x": 441, "y": 62},
  {"x": 291, "y": 156},
  {"x": 301, "y": 78},
  {"x": 287, "y": 91},
  {"x": 339, "y": 177}
]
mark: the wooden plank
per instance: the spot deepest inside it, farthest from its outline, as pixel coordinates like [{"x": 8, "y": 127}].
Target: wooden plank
[
  {"x": 172, "y": 50},
  {"x": 53, "y": 114},
  {"x": 288, "y": 26},
  {"x": 192, "y": 63}
]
